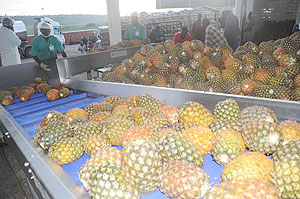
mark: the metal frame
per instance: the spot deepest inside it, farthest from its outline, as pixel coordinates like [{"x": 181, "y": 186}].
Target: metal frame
[{"x": 47, "y": 179}]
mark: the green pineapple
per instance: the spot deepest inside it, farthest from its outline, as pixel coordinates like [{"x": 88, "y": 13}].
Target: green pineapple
[
  {"x": 141, "y": 159},
  {"x": 66, "y": 150},
  {"x": 227, "y": 110}
]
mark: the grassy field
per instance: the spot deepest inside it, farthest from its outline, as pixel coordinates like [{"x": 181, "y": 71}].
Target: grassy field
[{"x": 68, "y": 22}]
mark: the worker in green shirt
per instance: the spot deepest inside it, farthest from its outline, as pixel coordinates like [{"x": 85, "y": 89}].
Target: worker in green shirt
[
  {"x": 135, "y": 30},
  {"x": 46, "y": 46}
]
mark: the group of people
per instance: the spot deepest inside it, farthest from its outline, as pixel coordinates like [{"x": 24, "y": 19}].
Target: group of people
[
  {"x": 44, "y": 46},
  {"x": 227, "y": 32},
  {"x": 209, "y": 34}
]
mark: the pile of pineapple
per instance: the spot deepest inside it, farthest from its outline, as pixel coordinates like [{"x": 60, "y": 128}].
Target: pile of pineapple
[
  {"x": 269, "y": 70},
  {"x": 52, "y": 92},
  {"x": 164, "y": 148}
]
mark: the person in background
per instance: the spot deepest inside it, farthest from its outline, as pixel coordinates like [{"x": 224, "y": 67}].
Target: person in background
[
  {"x": 135, "y": 30},
  {"x": 82, "y": 48},
  {"x": 197, "y": 30},
  {"x": 9, "y": 43},
  {"x": 84, "y": 40},
  {"x": 182, "y": 36},
  {"x": 155, "y": 34},
  {"x": 231, "y": 30},
  {"x": 249, "y": 26},
  {"x": 46, "y": 46},
  {"x": 213, "y": 37},
  {"x": 90, "y": 45}
]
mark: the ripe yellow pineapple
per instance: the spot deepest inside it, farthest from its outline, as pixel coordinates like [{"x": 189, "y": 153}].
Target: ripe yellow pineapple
[
  {"x": 95, "y": 143},
  {"x": 196, "y": 114},
  {"x": 202, "y": 137},
  {"x": 251, "y": 165},
  {"x": 290, "y": 130},
  {"x": 138, "y": 132},
  {"x": 76, "y": 113}
]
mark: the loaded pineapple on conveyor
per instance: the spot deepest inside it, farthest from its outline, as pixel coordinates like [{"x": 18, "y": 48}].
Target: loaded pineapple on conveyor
[
  {"x": 268, "y": 70},
  {"x": 24, "y": 93},
  {"x": 172, "y": 159}
]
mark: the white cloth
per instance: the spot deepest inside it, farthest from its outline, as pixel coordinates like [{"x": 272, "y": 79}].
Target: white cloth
[{"x": 9, "y": 43}]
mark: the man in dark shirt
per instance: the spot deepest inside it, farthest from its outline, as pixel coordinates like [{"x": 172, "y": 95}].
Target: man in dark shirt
[{"x": 197, "y": 30}]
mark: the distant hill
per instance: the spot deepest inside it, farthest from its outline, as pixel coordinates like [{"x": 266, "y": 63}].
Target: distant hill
[{"x": 68, "y": 22}]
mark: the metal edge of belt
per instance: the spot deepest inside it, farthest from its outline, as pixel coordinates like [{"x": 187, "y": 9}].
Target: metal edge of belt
[
  {"x": 284, "y": 109},
  {"x": 37, "y": 164}
]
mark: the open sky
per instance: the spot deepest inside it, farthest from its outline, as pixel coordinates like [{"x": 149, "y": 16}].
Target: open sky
[{"x": 55, "y": 7}]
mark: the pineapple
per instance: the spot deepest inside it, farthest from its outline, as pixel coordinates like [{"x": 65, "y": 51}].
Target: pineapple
[
  {"x": 98, "y": 107},
  {"x": 141, "y": 160},
  {"x": 171, "y": 112},
  {"x": 109, "y": 180},
  {"x": 202, "y": 137},
  {"x": 140, "y": 114},
  {"x": 106, "y": 155},
  {"x": 24, "y": 95},
  {"x": 77, "y": 123},
  {"x": 152, "y": 104},
  {"x": 175, "y": 146},
  {"x": 52, "y": 95},
  {"x": 53, "y": 133},
  {"x": 290, "y": 130},
  {"x": 257, "y": 113},
  {"x": 157, "y": 122},
  {"x": 114, "y": 129},
  {"x": 296, "y": 94},
  {"x": 124, "y": 102},
  {"x": 100, "y": 117},
  {"x": 169, "y": 45},
  {"x": 227, "y": 110},
  {"x": 51, "y": 117},
  {"x": 289, "y": 45},
  {"x": 233, "y": 87},
  {"x": 233, "y": 64},
  {"x": 197, "y": 45},
  {"x": 181, "y": 179},
  {"x": 64, "y": 92},
  {"x": 66, "y": 150},
  {"x": 76, "y": 113},
  {"x": 243, "y": 189},
  {"x": 123, "y": 116},
  {"x": 7, "y": 100},
  {"x": 195, "y": 114},
  {"x": 286, "y": 173},
  {"x": 87, "y": 129},
  {"x": 262, "y": 136},
  {"x": 95, "y": 143},
  {"x": 179, "y": 127},
  {"x": 219, "y": 125},
  {"x": 228, "y": 145},
  {"x": 251, "y": 165},
  {"x": 137, "y": 132}
]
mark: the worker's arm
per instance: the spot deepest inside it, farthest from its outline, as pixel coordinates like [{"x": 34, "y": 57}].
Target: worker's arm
[
  {"x": 63, "y": 53},
  {"x": 37, "y": 60}
]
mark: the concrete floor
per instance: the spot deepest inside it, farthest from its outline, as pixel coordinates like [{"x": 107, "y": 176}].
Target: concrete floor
[{"x": 13, "y": 183}]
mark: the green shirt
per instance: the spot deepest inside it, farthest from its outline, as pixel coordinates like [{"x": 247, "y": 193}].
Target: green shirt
[
  {"x": 46, "y": 50},
  {"x": 135, "y": 33}
]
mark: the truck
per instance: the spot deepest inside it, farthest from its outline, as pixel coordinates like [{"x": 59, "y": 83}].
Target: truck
[{"x": 56, "y": 31}]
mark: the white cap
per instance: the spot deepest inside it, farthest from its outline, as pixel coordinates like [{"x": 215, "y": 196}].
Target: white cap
[
  {"x": 227, "y": 8},
  {"x": 45, "y": 26}
]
